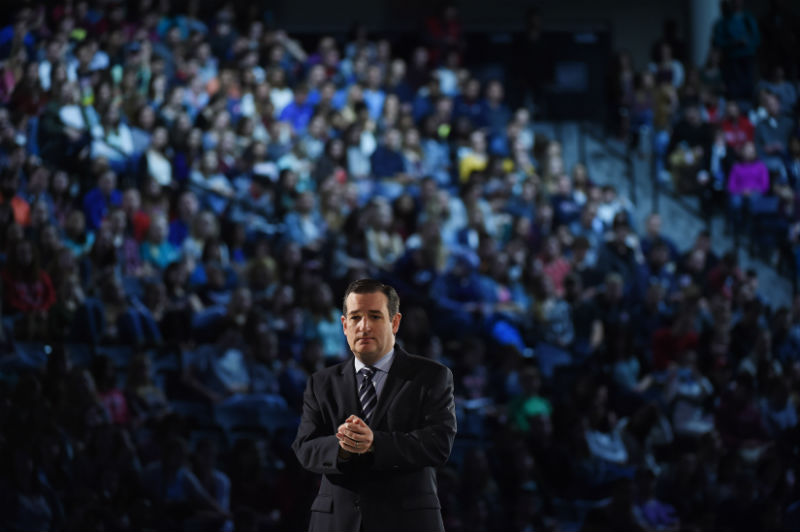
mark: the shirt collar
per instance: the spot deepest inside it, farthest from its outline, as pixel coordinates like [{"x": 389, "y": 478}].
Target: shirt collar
[{"x": 383, "y": 364}]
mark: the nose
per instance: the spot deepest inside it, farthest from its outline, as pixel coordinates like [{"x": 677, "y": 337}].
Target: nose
[{"x": 364, "y": 325}]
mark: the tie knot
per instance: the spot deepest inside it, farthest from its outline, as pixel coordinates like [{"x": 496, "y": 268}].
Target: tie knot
[{"x": 367, "y": 372}]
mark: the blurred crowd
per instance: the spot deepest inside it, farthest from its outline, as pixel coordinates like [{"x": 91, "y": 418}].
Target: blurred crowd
[
  {"x": 726, "y": 131},
  {"x": 185, "y": 192}
]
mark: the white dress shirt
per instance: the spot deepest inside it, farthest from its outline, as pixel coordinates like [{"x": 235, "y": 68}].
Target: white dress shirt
[{"x": 381, "y": 367}]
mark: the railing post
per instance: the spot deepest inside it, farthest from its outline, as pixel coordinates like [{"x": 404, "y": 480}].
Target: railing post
[
  {"x": 629, "y": 169},
  {"x": 654, "y": 180},
  {"x": 582, "y": 130}
]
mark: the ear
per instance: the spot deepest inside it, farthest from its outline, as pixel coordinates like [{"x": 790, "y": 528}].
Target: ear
[
  {"x": 396, "y": 322},
  {"x": 344, "y": 324}
]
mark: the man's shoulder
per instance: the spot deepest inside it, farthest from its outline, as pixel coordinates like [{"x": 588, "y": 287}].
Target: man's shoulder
[
  {"x": 329, "y": 372},
  {"x": 422, "y": 364}
]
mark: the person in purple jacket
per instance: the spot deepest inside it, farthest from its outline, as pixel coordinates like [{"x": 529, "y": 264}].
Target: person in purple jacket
[{"x": 748, "y": 181}]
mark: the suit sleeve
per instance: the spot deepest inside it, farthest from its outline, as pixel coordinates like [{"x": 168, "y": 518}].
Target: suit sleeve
[
  {"x": 428, "y": 446},
  {"x": 315, "y": 446}
]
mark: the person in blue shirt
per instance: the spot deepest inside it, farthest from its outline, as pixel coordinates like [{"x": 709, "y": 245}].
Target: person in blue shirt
[
  {"x": 9, "y": 35},
  {"x": 425, "y": 99},
  {"x": 736, "y": 34},
  {"x": 179, "y": 227},
  {"x": 98, "y": 200},
  {"x": 496, "y": 111},
  {"x": 653, "y": 237},
  {"x": 299, "y": 112},
  {"x": 157, "y": 250},
  {"x": 397, "y": 83},
  {"x": 458, "y": 292},
  {"x": 389, "y": 165},
  {"x": 470, "y": 104},
  {"x": 374, "y": 96},
  {"x": 387, "y": 159}
]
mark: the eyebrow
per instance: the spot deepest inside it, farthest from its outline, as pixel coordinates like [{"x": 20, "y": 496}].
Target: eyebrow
[{"x": 375, "y": 311}]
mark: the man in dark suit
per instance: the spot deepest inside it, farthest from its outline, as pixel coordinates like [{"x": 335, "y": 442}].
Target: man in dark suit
[{"x": 377, "y": 425}]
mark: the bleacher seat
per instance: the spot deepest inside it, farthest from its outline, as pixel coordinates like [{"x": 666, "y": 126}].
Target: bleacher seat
[
  {"x": 198, "y": 413},
  {"x": 32, "y": 354},
  {"x": 120, "y": 355},
  {"x": 165, "y": 362},
  {"x": 79, "y": 354},
  {"x": 212, "y": 432},
  {"x": 248, "y": 432},
  {"x": 267, "y": 411}
]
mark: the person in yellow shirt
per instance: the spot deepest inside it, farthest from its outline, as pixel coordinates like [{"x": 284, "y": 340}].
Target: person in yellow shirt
[{"x": 475, "y": 158}]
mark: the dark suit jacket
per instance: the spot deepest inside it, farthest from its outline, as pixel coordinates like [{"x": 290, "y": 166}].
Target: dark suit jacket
[{"x": 392, "y": 487}]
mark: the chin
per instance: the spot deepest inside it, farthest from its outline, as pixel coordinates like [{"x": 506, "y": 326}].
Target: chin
[{"x": 368, "y": 356}]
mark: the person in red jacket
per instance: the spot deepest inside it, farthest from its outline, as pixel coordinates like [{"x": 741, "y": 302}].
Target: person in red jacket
[
  {"x": 28, "y": 289},
  {"x": 737, "y": 128}
]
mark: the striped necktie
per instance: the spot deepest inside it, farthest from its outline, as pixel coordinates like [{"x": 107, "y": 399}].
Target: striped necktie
[{"x": 367, "y": 394}]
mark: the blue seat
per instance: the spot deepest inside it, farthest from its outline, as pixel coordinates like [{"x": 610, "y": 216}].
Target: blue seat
[
  {"x": 248, "y": 432},
  {"x": 8, "y": 325},
  {"x": 210, "y": 432},
  {"x": 32, "y": 354},
  {"x": 160, "y": 380},
  {"x": 461, "y": 445},
  {"x": 197, "y": 412},
  {"x": 268, "y": 411},
  {"x": 132, "y": 286},
  {"x": 79, "y": 354},
  {"x": 120, "y": 355},
  {"x": 232, "y": 416},
  {"x": 165, "y": 363}
]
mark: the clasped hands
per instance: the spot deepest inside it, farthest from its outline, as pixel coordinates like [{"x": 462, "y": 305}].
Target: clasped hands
[{"x": 354, "y": 436}]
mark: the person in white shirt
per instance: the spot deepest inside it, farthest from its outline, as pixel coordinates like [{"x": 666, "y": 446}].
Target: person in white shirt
[
  {"x": 115, "y": 142},
  {"x": 158, "y": 165}
]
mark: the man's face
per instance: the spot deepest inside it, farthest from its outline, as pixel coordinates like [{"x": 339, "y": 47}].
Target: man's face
[
  {"x": 188, "y": 206},
  {"x": 773, "y": 105},
  {"x": 368, "y": 328},
  {"x": 654, "y": 225},
  {"x": 693, "y": 116},
  {"x": 107, "y": 182},
  {"x": 393, "y": 140}
]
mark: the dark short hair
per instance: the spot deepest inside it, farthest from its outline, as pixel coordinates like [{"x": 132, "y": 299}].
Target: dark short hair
[{"x": 370, "y": 286}]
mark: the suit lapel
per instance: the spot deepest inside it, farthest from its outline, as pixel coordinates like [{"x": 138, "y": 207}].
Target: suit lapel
[
  {"x": 348, "y": 391},
  {"x": 395, "y": 380}
]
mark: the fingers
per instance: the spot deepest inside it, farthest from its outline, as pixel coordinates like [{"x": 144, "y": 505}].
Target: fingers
[
  {"x": 344, "y": 433},
  {"x": 357, "y": 429},
  {"x": 353, "y": 446},
  {"x": 350, "y": 447},
  {"x": 354, "y": 435},
  {"x": 350, "y": 432}
]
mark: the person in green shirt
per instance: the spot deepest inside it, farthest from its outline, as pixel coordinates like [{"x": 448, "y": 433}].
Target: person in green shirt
[{"x": 529, "y": 404}]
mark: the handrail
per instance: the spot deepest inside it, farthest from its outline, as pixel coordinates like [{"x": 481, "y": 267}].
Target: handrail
[
  {"x": 587, "y": 129},
  {"x": 657, "y": 189}
]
